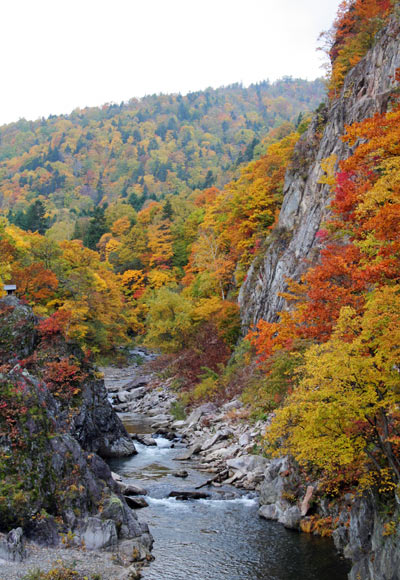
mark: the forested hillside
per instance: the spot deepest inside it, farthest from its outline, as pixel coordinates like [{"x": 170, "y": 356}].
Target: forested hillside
[
  {"x": 162, "y": 252},
  {"x": 145, "y": 149},
  {"x": 132, "y": 182},
  {"x": 145, "y": 221}
]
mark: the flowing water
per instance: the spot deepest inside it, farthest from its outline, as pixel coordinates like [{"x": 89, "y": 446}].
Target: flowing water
[{"x": 217, "y": 538}]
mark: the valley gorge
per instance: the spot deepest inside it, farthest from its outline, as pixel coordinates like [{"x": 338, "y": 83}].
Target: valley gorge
[{"x": 200, "y": 345}]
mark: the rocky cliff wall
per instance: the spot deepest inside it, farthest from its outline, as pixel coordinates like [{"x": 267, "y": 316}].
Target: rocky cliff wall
[
  {"x": 364, "y": 528},
  {"x": 52, "y": 482},
  {"x": 293, "y": 244}
]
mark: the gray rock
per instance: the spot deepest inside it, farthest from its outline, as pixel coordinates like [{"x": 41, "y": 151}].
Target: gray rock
[
  {"x": 130, "y": 489},
  {"x": 136, "y": 503},
  {"x": 131, "y": 573},
  {"x": 137, "y": 393},
  {"x": 145, "y": 440},
  {"x": 290, "y": 517},
  {"x": 66, "y": 459},
  {"x": 269, "y": 512},
  {"x": 134, "y": 551},
  {"x": 274, "y": 484},
  {"x": 293, "y": 243},
  {"x": 97, "y": 427},
  {"x": 161, "y": 419},
  {"x": 97, "y": 533},
  {"x": 244, "y": 439},
  {"x": 116, "y": 477},
  {"x": 183, "y": 473},
  {"x": 219, "y": 436},
  {"x": 12, "y": 546},
  {"x": 161, "y": 426},
  {"x": 194, "y": 417},
  {"x": 195, "y": 448},
  {"x": 185, "y": 495},
  {"x": 232, "y": 405},
  {"x": 248, "y": 463},
  {"x": 123, "y": 397}
]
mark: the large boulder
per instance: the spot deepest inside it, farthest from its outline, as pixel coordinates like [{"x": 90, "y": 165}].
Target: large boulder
[
  {"x": 281, "y": 482},
  {"x": 17, "y": 330},
  {"x": 97, "y": 427},
  {"x": 56, "y": 483},
  {"x": 12, "y": 546}
]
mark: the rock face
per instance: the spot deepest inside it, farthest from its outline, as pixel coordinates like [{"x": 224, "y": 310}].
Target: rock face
[
  {"x": 279, "y": 493},
  {"x": 12, "y": 546},
  {"x": 373, "y": 543},
  {"x": 97, "y": 427},
  {"x": 293, "y": 244},
  {"x": 363, "y": 531},
  {"x": 56, "y": 483},
  {"x": 17, "y": 333}
]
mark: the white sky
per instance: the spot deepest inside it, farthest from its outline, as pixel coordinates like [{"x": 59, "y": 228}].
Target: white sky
[{"x": 61, "y": 54}]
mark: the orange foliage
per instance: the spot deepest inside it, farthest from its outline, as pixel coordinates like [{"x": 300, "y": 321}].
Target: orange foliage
[
  {"x": 352, "y": 35},
  {"x": 363, "y": 248},
  {"x": 35, "y": 282}
]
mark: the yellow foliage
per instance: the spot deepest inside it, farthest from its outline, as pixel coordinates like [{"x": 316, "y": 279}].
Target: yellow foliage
[{"x": 349, "y": 392}]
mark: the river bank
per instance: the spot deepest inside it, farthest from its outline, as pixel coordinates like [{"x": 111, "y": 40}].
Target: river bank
[
  {"x": 217, "y": 438},
  {"x": 209, "y": 451},
  {"x": 219, "y": 536}
]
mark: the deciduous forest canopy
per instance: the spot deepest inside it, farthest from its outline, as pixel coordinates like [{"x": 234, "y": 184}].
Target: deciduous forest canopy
[{"x": 140, "y": 221}]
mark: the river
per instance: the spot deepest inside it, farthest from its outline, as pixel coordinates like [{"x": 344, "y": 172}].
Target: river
[{"x": 220, "y": 538}]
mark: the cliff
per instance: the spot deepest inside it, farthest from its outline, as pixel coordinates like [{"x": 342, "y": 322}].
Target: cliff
[
  {"x": 366, "y": 528},
  {"x": 293, "y": 243},
  {"x": 55, "y": 422}
]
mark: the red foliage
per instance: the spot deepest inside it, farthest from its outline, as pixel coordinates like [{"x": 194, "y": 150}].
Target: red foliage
[
  {"x": 64, "y": 377},
  {"x": 352, "y": 16},
  {"x": 54, "y": 324},
  {"x": 207, "y": 349},
  {"x": 35, "y": 282},
  {"x": 362, "y": 240}
]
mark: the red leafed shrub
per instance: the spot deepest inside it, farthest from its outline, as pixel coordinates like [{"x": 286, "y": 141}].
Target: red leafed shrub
[
  {"x": 207, "y": 349},
  {"x": 64, "y": 377},
  {"x": 54, "y": 324}
]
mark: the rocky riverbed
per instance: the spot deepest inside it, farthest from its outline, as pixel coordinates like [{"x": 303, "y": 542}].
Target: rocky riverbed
[
  {"x": 202, "y": 481},
  {"x": 215, "y": 437},
  {"x": 189, "y": 473},
  {"x": 225, "y": 448}
]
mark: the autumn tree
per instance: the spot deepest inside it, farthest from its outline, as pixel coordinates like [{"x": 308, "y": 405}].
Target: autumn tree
[{"x": 344, "y": 413}]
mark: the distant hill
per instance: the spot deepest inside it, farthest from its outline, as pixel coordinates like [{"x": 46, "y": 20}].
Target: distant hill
[{"x": 144, "y": 149}]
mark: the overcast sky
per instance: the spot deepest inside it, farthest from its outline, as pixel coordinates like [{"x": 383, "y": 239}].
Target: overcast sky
[{"x": 61, "y": 54}]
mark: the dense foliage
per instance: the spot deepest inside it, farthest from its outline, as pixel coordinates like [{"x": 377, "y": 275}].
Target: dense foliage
[
  {"x": 57, "y": 171},
  {"x": 167, "y": 270},
  {"x": 342, "y": 397},
  {"x": 169, "y": 200},
  {"x": 352, "y": 35}
]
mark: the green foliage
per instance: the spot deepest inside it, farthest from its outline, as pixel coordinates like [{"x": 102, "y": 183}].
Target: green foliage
[
  {"x": 34, "y": 219},
  {"x": 206, "y": 388},
  {"x": 177, "y": 410},
  {"x": 267, "y": 390},
  {"x": 96, "y": 228},
  {"x": 169, "y": 320}
]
